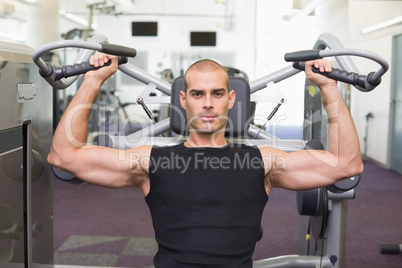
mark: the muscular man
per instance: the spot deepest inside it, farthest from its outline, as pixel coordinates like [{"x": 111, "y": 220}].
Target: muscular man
[{"x": 206, "y": 196}]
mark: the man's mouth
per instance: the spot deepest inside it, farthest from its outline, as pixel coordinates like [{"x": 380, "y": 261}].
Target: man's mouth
[{"x": 208, "y": 117}]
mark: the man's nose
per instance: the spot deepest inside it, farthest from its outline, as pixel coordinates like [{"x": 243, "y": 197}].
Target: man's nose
[{"x": 208, "y": 103}]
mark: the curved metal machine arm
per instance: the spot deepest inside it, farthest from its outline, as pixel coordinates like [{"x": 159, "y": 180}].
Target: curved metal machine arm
[
  {"x": 97, "y": 43},
  {"x": 335, "y": 48},
  {"x": 349, "y": 73},
  {"x": 325, "y": 46}
]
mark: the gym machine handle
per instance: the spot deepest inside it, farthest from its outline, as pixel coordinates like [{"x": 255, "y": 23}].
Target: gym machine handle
[
  {"x": 363, "y": 83},
  {"x": 58, "y": 78},
  {"x": 303, "y": 55},
  {"x": 118, "y": 50},
  {"x": 340, "y": 75},
  {"x": 81, "y": 68}
]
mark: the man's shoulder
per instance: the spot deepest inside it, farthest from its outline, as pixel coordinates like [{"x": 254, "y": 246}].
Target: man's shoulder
[
  {"x": 143, "y": 150},
  {"x": 161, "y": 148},
  {"x": 266, "y": 148}
]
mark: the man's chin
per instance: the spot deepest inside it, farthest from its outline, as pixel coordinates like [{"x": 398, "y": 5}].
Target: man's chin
[
  {"x": 206, "y": 131},
  {"x": 204, "y": 127}
]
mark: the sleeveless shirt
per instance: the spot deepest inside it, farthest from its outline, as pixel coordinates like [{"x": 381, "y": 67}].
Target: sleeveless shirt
[{"x": 206, "y": 205}]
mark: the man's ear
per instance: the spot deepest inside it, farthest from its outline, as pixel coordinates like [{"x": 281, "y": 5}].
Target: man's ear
[
  {"x": 183, "y": 99},
  {"x": 232, "y": 98}
]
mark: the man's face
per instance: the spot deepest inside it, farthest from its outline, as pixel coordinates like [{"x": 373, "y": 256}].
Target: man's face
[{"x": 207, "y": 101}]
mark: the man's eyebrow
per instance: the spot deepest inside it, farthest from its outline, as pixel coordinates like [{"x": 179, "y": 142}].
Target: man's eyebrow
[
  {"x": 196, "y": 90},
  {"x": 218, "y": 90},
  {"x": 201, "y": 90}
]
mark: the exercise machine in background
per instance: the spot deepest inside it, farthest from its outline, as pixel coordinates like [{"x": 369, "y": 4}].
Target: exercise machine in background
[
  {"x": 324, "y": 210},
  {"x": 26, "y": 200}
]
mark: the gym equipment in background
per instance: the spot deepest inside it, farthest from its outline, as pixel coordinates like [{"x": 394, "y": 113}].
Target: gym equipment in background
[
  {"x": 325, "y": 208},
  {"x": 26, "y": 200}
]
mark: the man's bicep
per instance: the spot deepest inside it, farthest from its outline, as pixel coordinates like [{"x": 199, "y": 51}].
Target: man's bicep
[
  {"x": 302, "y": 170},
  {"x": 110, "y": 167}
]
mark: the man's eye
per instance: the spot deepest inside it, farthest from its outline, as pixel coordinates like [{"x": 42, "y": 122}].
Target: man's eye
[
  {"x": 196, "y": 94},
  {"x": 218, "y": 94}
]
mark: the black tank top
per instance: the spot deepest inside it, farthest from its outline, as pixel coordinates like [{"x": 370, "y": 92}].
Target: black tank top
[{"x": 206, "y": 205}]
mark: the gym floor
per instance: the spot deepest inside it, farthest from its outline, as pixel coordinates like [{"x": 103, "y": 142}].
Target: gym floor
[{"x": 95, "y": 226}]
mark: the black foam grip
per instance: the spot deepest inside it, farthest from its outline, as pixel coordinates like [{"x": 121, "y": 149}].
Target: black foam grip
[
  {"x": 303, "y": 55},
  {"x": 103, "y": 140},
  {"x": 118, "y": 50},
  {"x": 344, "y": 185},
  {"x": 65, "y": 176},
  {"x": 390, "y": 248},
  {"x": 81, "y": 68},
  {"x": 307, "y": 202},
  {"x": 337, "y": 74},
  {"x": 314, "y": 145}
]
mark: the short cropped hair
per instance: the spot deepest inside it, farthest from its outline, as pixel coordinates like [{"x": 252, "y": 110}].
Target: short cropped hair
[{"x": 205, "y": 65}]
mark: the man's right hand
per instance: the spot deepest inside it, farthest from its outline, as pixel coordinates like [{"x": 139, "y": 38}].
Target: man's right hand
[
  {"x": 320, "y": 80},
  {"x": 102, "y": 74}
]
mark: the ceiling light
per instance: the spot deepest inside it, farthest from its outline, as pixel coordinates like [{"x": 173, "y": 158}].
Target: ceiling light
[
  {"x": 27, "y": 1},
  {"x": 73, "y": 17},
  {"x": 382, "y": 25}
]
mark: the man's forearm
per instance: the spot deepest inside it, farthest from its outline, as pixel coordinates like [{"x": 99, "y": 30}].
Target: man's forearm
[{"x": 342, "y": 137}]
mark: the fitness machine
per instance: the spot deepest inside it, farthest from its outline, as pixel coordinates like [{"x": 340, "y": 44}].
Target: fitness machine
[
  {"x": 26, "y": 201},
  {"x": 323, "y": 208}
]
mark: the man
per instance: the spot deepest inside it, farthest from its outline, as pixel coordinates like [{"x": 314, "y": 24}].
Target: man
[{"x": 206, "y": 196}]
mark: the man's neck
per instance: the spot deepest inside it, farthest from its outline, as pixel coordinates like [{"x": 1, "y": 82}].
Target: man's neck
[{"x": 206, "y": 140}]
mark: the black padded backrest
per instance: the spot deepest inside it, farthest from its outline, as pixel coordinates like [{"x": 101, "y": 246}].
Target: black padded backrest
[{"x": 238, "y": 121}]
